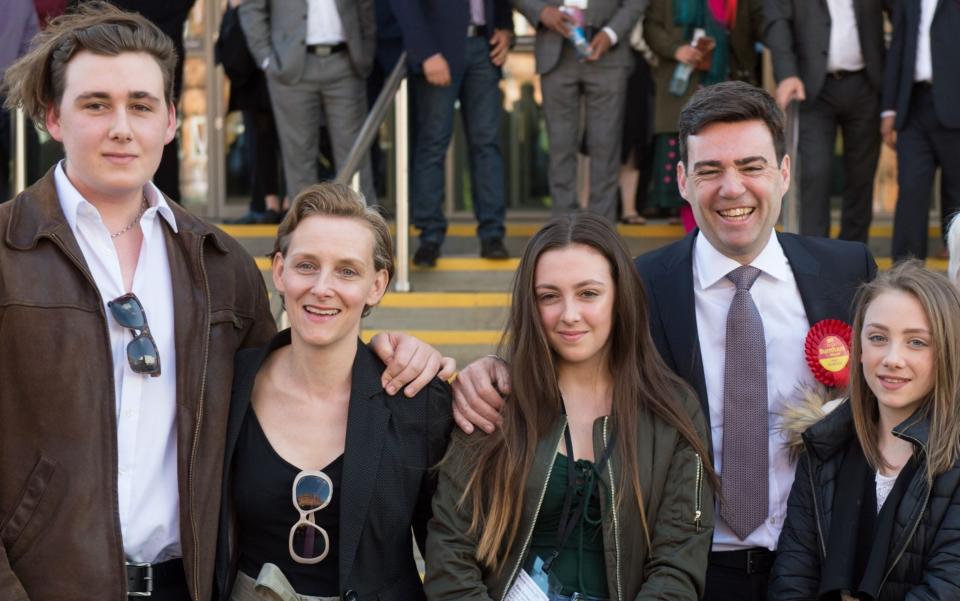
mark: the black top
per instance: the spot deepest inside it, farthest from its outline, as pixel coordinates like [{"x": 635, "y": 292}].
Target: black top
[
  {"x": 262, "y": 492},
  {"x": 392, "y": 443}
]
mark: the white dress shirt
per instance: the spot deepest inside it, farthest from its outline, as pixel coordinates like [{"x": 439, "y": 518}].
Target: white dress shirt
[
  {"x": 147, "y": 491},
  {"x": 323, "y": 23},
  {"x": 924, "y": 66},
  {"x": 845, "y": 53},
  {"x": 785, "y": 329}
]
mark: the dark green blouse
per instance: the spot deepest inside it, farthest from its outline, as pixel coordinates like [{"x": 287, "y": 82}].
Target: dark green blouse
[{"x": 580, "y": 566}]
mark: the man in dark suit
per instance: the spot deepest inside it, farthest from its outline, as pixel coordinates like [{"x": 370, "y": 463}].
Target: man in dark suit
[
  {"x": 733, "y": 171},
  {"x": 828, "y": 55},
  {"x": 921, "y": 116},
  {"x": 317, "y": 55},
  {"x": 455, "y": 51}
]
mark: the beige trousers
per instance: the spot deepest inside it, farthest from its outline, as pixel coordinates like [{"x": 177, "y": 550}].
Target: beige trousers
[{"x": 270, "y": 585}]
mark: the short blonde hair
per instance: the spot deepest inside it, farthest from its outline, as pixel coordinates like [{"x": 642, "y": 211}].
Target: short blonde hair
[
  {"x": 337, "y": 200},
  {"x": 37, "y": 80}
]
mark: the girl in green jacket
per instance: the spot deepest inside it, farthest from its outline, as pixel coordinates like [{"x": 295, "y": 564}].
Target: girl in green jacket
[{"x": 597, "y": 484}]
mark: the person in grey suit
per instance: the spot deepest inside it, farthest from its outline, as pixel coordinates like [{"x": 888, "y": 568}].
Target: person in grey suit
[
  {"x": 316, "y": 55},
  {"x": 829, "y": 56},
  {"x": 601, "y": 80}
]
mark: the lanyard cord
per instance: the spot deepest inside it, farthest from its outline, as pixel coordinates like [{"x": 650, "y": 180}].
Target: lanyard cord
[{"x": 573, "y": 514}]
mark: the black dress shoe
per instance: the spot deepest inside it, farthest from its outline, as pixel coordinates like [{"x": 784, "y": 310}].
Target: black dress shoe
[
  {"x": 493, "y": 248},
  {"x": 426, "y": 255}
]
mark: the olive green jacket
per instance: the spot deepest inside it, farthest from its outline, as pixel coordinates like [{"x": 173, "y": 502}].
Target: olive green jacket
[{"x": 677, "y": 498}]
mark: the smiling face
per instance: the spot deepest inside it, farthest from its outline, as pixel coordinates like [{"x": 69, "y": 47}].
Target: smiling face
[
  {"x": 113, "y": 123},
  {"x": 898, "y": 354},
  {"x": 327, "y": 278},
  {"x": 575, "y": 296},
  {"x": 734, "y": 186}
]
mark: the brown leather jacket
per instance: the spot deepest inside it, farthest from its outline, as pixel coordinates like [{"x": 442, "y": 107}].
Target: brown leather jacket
[{"x": 59, "y": 527}]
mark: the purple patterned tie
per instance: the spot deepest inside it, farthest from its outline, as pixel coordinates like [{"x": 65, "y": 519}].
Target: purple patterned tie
[{"x": 745, "y": 471}]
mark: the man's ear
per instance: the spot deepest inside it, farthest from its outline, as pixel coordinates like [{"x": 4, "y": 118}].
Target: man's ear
[
  {"x": 52, "y": 122},
  {"x": 682, "y": 179},
  {"x": 171, "y": 131}
]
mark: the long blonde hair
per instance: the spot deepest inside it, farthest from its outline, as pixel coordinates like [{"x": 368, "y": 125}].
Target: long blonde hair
[{"x": 941, "y": 303}]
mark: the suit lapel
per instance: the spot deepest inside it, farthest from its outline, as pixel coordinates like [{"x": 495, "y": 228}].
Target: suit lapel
[
  {"x": 367, "y": 421},
  {"x": 674, "y": 290},
  {"x": 806, "y": 272}
]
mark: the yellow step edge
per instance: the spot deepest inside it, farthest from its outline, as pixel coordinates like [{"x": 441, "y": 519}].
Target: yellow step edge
[
  {"x": 446, "y": 337},
  {"x": 466, "y": 230},
  {"x": 445, "y": 300},
  {"x": 476, "y": 264}
]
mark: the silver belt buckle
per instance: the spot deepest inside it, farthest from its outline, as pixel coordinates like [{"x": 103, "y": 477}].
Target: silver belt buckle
[
  {"x": 148, "y": 579},
  {"x": 322, "y": 50},
  {"x": 472, "y": 30}
]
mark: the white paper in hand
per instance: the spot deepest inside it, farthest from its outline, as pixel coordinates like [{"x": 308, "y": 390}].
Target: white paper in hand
[{"x": 525, "y": 589}]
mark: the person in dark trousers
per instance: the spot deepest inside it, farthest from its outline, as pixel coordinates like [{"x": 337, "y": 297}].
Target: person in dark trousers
[
  {"x": 455, "y": 51},
  {"x": 17, "y": 29},
  {"x": 829, "y": 56},
  {"x": 921, "y": 117}
]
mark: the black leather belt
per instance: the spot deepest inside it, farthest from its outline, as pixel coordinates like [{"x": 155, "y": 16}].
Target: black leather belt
[
  {"x": 476, "y": 31},
  {"x": 841, "y": 73},
  {"x": 326, "y": 49},
  {"x": 752, "y": 561},
  {"x": 143, "y": 579}
]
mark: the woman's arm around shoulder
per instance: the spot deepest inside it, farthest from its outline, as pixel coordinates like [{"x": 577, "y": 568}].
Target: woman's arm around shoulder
[
  {"x": 681, "y": 537},
  {"x": 796, "y": 571},
  {"x": 452, "y": 570}
]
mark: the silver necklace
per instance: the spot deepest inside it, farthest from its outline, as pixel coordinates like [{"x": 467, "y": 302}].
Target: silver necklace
[{"x": 143, "y": 209}]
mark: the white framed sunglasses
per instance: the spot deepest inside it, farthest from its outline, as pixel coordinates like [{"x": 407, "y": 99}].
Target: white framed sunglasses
[{"x": 312, "y": 491}]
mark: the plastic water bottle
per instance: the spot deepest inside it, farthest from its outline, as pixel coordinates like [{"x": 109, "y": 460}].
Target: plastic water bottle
[
  {"x": 578, "y": 36},
  {"x": 682, "y": 72}
]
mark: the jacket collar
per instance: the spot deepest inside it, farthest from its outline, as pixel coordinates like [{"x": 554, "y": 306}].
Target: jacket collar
[
  {"x": 832, "y": 433},
  {"x": 37, "y": 214}
]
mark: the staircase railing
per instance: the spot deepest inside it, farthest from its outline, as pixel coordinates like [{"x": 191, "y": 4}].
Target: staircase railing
[
  {"x": 394, "y": 92},
  {"x": 791, "y": 200}
]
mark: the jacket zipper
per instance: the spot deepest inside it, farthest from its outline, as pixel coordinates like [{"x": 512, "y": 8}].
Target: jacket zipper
[
  {"x": 916, "y": 522},
  {"x": 113, "y": 419},
  {"x": 613, "y": 512},
  {"x": 196, "y": 432},
  {"x": 816, "y": 511},
  {"x": 698, "y": 503},
  {"x": 533, "y": 523}
]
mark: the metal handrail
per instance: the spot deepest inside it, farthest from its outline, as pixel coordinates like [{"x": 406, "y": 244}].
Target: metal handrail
[
  {"x": 395, "y": 92},
  {"x": 20, "y": 152},
  {"x": 791, "y": 200}
]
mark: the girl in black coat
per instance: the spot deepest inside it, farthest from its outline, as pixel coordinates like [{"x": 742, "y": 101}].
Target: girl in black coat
[{"x": 874, "y": 512}]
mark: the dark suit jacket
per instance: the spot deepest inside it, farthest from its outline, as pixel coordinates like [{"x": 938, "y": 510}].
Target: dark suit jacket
[
  {"x": 827, "y": 272},
  {"x": 392, "y": 443},
  {"x": 902, "y": 61},
  {"x": 432, "y": 26},
  {"x": 798, "y": 35}
]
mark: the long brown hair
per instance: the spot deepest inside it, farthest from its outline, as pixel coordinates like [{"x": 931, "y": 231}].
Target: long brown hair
[
  {"x": 941, "y": 303},
  {"x": 643, "y": 387}
]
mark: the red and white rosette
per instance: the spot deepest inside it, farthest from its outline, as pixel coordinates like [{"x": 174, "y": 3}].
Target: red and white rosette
[{"x": 827, "y": 351}]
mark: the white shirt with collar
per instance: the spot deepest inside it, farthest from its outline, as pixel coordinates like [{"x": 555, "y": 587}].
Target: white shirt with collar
[
  {"x": 785, "y": 327},
  {"x": 923, "y": 70},
  {"x": 147, "y": 486},
  {"x": 845, "y": 53},
  {"x": 324, "y": 25}
]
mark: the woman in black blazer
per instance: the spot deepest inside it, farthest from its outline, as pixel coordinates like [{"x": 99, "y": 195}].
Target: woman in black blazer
[{"x": 326, "y": 474}]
